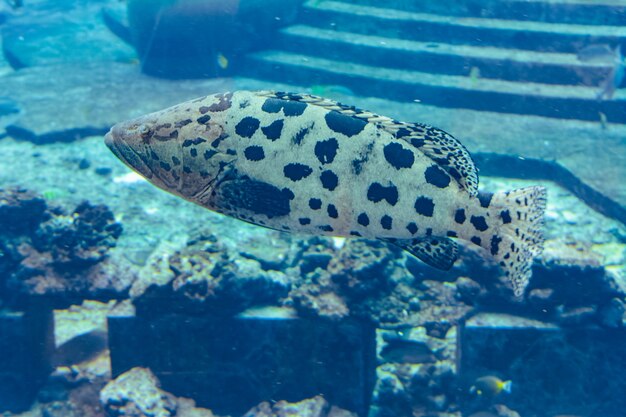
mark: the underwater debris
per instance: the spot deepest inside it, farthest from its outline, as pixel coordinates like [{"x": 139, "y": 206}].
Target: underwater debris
[{"x": 213, "y": 151}]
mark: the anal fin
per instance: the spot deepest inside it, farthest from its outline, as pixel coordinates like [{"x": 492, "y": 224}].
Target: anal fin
[{"x": 438, "y": 252}]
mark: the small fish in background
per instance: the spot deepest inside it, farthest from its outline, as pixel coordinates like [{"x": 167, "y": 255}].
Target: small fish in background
[
  {"x": 490, "y": 387},
  {"x": 604, "y": 54},
  {"x": 401, "y": 350},
  {"x": 80, "y": 349},
  {"x": 222, "y": 61}
]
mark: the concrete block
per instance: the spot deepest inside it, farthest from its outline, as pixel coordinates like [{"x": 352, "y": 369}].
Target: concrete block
[
  {"x": 232, "y": 364},
  {"x": 26, "y": 343}
]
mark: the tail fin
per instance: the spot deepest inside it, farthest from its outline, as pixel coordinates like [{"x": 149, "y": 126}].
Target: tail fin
[{"x": 519, "y": 239}]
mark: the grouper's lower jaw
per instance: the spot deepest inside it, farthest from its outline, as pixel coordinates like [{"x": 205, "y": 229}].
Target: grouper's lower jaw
[{"x": 126, "y": 154}]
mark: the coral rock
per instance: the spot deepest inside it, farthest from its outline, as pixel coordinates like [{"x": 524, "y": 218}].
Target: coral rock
[
  {"x": 136, "y": 393},
  {"x": 313, "y": 407}
]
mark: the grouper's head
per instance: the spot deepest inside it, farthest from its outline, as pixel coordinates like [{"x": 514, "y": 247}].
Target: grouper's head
[{"x": 176, "y": 149}]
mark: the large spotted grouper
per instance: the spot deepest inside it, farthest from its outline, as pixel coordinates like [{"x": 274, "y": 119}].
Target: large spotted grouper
[{"x": 301, "y": 163}]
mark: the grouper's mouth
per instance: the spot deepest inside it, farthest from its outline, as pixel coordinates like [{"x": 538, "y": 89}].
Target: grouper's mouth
[{"x": 120, "y": 148}]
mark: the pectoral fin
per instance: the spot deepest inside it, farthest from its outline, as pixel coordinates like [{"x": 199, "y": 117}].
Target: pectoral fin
[{"x": 438, "y": 252}]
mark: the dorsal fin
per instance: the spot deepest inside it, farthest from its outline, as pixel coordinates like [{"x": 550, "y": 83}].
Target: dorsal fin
[{"x": 441, "y": 147}]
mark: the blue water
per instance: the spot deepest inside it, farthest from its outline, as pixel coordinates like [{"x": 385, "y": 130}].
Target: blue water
[{"x": 110, "y": 287}]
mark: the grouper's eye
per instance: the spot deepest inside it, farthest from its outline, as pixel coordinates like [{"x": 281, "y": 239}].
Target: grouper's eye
[{"x": 144, "y": 131}]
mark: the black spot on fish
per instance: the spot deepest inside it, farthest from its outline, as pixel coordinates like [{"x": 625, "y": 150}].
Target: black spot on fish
[
  {"x": 386, "y": 222},
  {"x": 332, "y": 211},
  {"x": 412, "y": 228},
  {"x": 402, "y": 132},
  {"x": 329, "y": 180},
  {"x": 182, "y": 123},
  {"x": 436, "y": 176},
  {"x": 355, "y": 233},
  {"x": 459, "y": 216},
  {"x": 295, "y": 171},
  {"x": 344, "y": 124},
  {"x": 272, "y": 105},
  {"x": 254, "y": 153},
  {"x": 188, "y": 142},
  {"x": 247, "y": 127},
  {"x": 187, "y": 170},
  {"x": 326, "y": 228},
  {"x": 326, "y": 150},
  {"x": 377, "y": 192},
  {"x": 203, "y": 119},
  {"x": 203, "y": 109},
  {"x": 424, "y": 206},
  {"x": 290, "y": 108},
  {"x": 398, "y": 156},
  {"x": 154, "y": 156},
  {"x": 451, "y": 233},
  {"x": 165, "y": 166},
  {"x": 219, "y": 140},
  {"x": 495, "y": 244},
  {"x": 479, "y": 223},
  {"x": 297, "y": 139},
  {"x": 476, "y": 240},
  {"x": 506, "y": 216},
  {"x": 175, "y": 161},
  {"x": 287, "y": 191},
  {"x": 418, "y": 143},
  {"x": 485, "y": 198},
  {"x": 357, "y": 164},
  {"x": 193, "y": 152},
  {"x": 224, "y": 102},
  {"x": 256, "y": 196},
  {"x": 209, "y": 153},
  {"x": 274, "y": 130},
  {"x": 315, "y": 203},
  {"x": 304, "y": 221},
  {"x": 363, "y": 219}
]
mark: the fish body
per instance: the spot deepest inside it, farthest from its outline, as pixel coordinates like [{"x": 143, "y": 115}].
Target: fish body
[
  {"x": 301, "y": 163},
  {"x": 407, "y": 351},
  {"x": 222, "y": 61}
]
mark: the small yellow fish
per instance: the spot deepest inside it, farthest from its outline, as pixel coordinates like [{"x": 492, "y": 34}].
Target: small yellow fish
[
  {"x": 490, "y": 386},
  {"x": 222, "y": 61}
]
